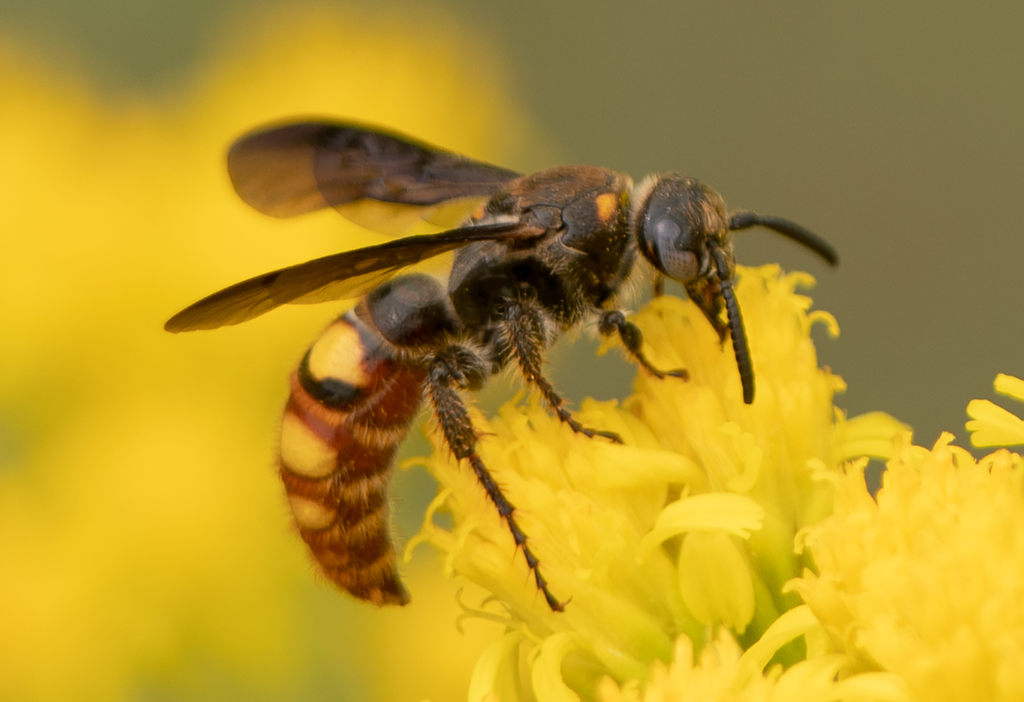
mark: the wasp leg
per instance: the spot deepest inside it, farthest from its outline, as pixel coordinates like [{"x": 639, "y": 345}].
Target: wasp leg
[
  {"x": 524, "y": 329},
  {"x": 633, "y": 339},
  {"x": 453, "y": 368}
]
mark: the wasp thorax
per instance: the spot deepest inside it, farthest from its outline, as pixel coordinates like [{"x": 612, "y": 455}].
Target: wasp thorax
[{"x": 677, "y": 222}]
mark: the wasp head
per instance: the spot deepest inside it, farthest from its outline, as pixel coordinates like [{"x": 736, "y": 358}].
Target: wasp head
[
  {"x": 678, "y": 222},
  {"x": 682, "y": 228}
]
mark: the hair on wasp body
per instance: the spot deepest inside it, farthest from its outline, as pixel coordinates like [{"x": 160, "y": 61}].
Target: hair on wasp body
[{"x": 542, "y": 254}]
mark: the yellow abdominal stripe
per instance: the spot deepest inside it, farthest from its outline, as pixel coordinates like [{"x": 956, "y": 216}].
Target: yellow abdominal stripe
[
  {"x": 303, "y": 452},
  {"x": 310, "y": 514},
  {"x": 338, "y": 353}
]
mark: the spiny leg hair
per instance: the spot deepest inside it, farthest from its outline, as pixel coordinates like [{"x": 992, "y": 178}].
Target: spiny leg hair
[
  {"x": 451, "y": 369},
  {"x": 523, "y": 321}
]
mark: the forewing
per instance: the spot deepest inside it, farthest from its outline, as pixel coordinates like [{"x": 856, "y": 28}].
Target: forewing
[
  {"x": 336, "y": 277},
  {"x": 295, "y": 168}
]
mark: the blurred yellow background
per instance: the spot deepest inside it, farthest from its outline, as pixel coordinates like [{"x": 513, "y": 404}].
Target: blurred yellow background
[
  {"x": 145, "y": 551},
  {"x": 145, "y": 547}
]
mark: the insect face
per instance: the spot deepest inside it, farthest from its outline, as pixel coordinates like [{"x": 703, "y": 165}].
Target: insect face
[
  {"x": 678, "y": 223},
  {"x": 544, "y": 253}
]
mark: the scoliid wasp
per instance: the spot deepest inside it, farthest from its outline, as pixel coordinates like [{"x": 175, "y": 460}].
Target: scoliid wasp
[{"x": 535, "y": 255}]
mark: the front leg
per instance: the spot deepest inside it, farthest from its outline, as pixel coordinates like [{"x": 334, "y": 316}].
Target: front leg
[
  {"x": 451, "y": 369},
  {"x": 523, "y": 322},
  {"x": 633, "y": 339}
]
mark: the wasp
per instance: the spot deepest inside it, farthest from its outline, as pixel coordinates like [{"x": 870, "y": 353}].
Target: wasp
[{"x": 534, "y": 256}]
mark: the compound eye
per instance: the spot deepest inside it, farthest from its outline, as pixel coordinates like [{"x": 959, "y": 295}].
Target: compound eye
[{"x": 674, "y": 259}]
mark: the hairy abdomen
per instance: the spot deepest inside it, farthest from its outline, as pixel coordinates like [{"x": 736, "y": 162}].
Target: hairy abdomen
[{"x": 351, "y": 405}]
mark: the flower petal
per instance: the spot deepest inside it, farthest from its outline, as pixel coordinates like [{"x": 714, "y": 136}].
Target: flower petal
[
  {"x": 716, "y": 581},
  {"x": 796, "y": 622},
  {"x": 497, "y": 671},
  {"x": 1009, "y": 385},
  {"x": 869, "y": 434},
  {"x": 991, "y": 425},
  {"x": 548, "y": 684},
  {"x": 715, "y": 511}
]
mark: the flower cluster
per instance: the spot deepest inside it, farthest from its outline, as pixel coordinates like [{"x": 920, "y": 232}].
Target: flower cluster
[
  {"x": 677, "y": 543},
  {"x": 927, "y": 580},
  {"x": 733, "y": 552}
]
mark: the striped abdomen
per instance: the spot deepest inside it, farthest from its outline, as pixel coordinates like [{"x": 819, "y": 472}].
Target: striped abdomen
[{"x": 351, "y": 405}]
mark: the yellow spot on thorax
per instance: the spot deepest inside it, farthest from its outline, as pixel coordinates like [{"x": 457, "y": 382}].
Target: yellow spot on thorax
[
  {"x": 607, "y": 204},
  {"x": 338, "y": 353},
  {"x": 479, "y": 212}
]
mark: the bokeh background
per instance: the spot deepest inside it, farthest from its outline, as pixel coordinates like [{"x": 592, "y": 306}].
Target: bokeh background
[{"x": 144, "y": 546}]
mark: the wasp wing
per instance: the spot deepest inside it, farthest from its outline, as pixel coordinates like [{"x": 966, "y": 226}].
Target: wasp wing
[
  {"x": 336, "y": 277},
  {"x": 375, "y": 178}
]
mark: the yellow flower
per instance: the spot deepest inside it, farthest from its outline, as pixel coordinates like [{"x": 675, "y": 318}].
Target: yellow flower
[
  {"x": 990, "y": 424},
  {"x": 927, "y": 582},
  {"x": 725, "y": 673},
  {"x": 686, "y": 529}
]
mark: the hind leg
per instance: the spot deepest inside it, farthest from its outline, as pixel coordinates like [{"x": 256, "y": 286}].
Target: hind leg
[{"x": 450, "y": 370}]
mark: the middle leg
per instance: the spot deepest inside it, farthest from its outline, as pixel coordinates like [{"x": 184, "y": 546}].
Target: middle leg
[{"x": 523, "y": 322}]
